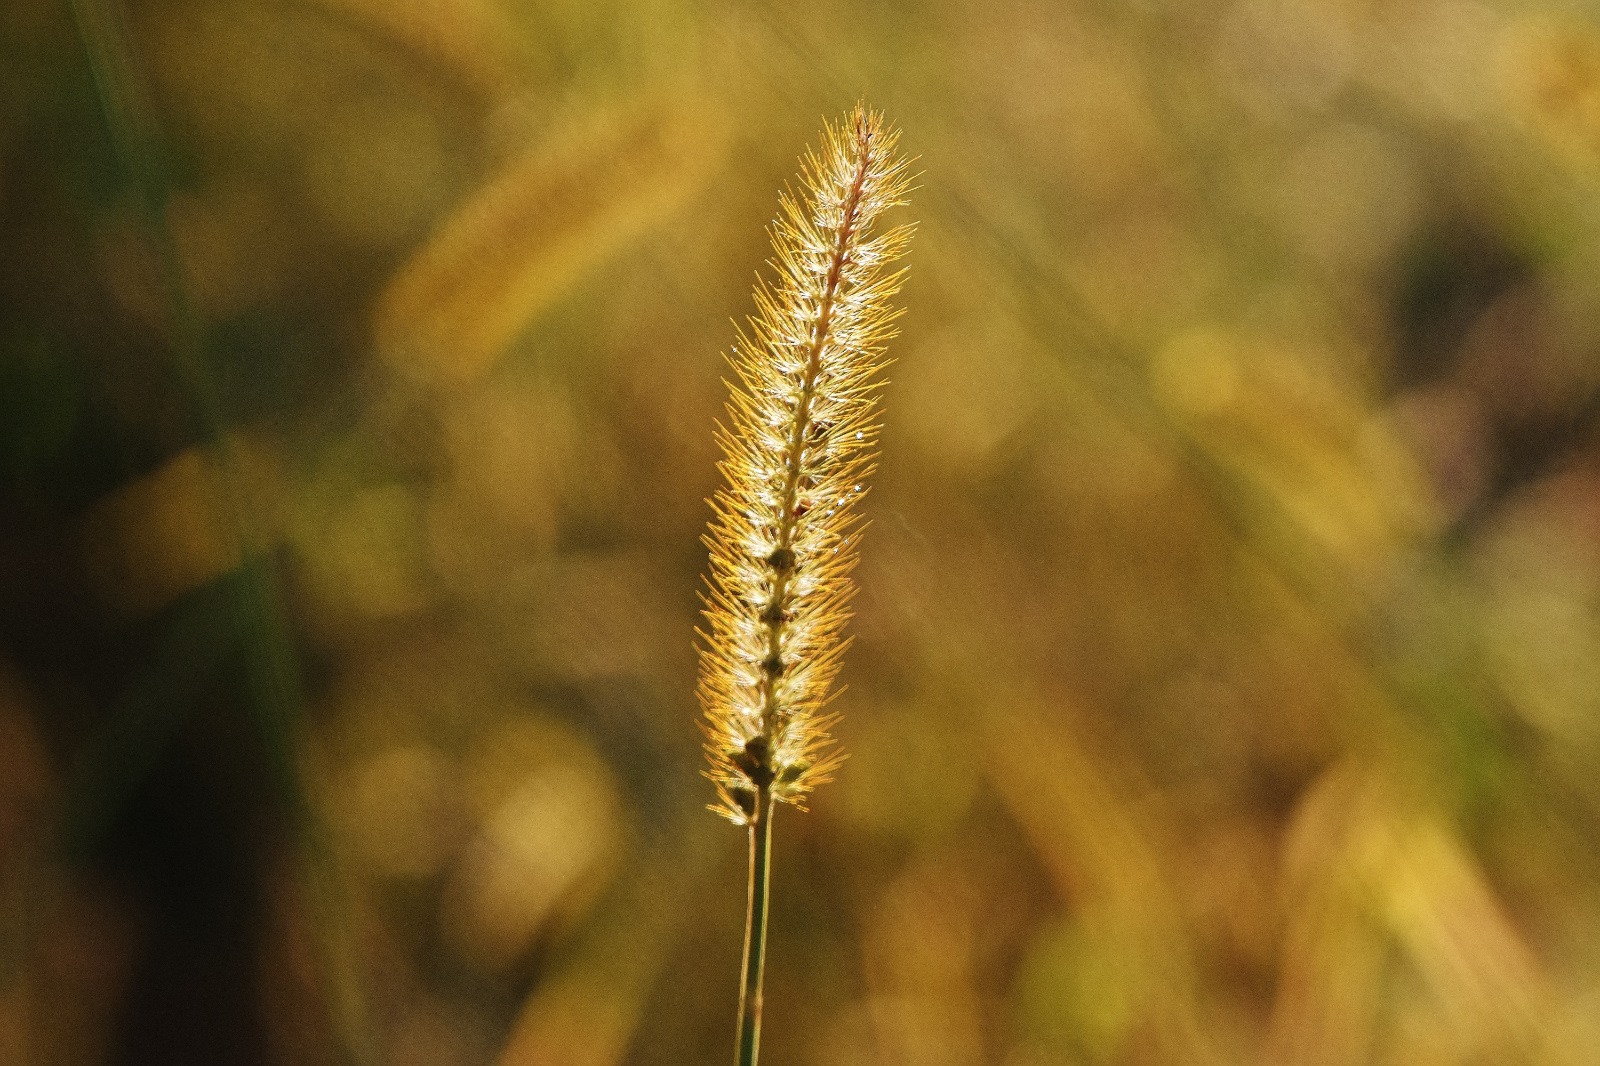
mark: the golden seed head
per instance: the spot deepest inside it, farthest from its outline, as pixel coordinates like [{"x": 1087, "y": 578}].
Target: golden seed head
[{"x": 798, "y": 447}]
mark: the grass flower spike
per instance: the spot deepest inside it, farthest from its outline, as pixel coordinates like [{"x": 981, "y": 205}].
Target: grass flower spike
[{"x": 798, "y": 448}]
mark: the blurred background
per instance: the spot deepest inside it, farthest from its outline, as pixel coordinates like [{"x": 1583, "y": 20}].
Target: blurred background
[{"x": 1226, "y": 685}]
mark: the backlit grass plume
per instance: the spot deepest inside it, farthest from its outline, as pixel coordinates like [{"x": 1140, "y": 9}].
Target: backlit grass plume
[{"x": 798, "y": 448}]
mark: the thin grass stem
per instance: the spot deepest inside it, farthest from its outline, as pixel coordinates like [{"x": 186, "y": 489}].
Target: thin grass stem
[{"x": 755, "y": 930}]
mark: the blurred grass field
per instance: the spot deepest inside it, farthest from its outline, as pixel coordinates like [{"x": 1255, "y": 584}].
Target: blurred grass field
[{"x": 1226, "y": 685}]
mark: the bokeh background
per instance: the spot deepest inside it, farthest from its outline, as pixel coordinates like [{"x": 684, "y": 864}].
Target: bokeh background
[{"x": 1226, "y": 685}]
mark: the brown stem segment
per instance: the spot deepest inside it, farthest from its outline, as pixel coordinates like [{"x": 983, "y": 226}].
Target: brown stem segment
[{"x": 755, "y": 930}]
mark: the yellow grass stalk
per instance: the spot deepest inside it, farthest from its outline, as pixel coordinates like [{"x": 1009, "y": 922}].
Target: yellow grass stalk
[{"x": 798, "y": 446}]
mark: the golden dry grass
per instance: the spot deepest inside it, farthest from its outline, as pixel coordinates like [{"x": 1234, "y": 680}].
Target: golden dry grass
[
  {"x": 1223, "y": 686},
  {"x": 798, "y": 450}
]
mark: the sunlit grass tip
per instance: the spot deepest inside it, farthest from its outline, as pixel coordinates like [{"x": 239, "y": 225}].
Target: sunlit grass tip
[{"x": 798, "y": 445}]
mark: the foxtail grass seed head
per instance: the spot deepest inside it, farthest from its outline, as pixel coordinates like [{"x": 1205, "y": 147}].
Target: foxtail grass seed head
[{"x": 798, "y": 446}]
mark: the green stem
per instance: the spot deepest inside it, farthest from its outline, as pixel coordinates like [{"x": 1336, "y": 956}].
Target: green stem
[{"x": 755, "y": 929}]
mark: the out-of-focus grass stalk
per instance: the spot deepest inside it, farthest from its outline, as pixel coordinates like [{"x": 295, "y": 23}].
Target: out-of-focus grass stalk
[
  {"x": 798, "y": 450},
  {"x": 273, "y": 674}
]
